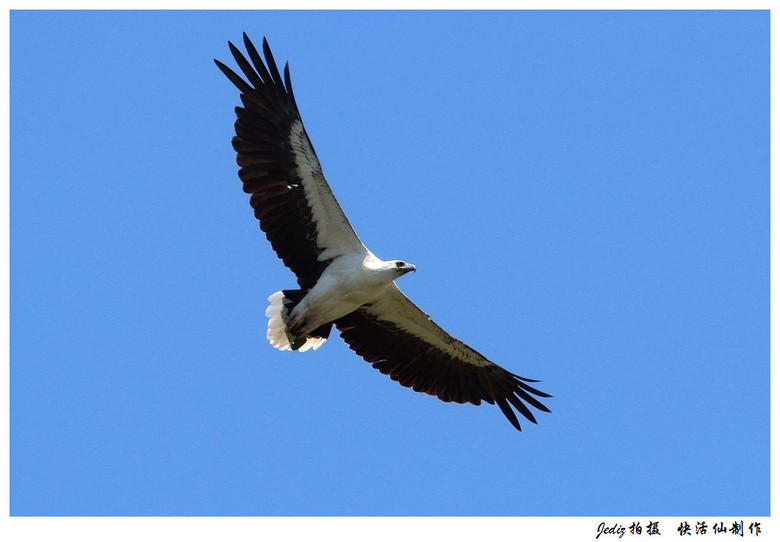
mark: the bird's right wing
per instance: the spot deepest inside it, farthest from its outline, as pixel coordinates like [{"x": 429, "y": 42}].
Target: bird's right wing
[{"x": 403, "y": 342}]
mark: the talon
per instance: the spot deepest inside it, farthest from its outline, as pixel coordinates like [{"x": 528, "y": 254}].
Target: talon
[{"x": 295, "y": 341}]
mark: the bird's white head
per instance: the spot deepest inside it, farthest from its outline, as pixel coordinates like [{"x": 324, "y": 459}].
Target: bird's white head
[
  {"x": 392, "y": 269},
  {"x": 401, "y": 267}
]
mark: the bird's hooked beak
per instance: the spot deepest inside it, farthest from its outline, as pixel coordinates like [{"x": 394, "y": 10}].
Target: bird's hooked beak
[{"x": 409, "y": 267}]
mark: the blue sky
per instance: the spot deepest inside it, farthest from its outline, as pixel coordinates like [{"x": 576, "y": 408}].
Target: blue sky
[{"x": 585, "y": 196}]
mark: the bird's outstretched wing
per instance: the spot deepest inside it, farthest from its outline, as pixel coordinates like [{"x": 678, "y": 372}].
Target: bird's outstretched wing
[
  {"x": 402, "y": 341},
  {"x": 279, "y": 168}
]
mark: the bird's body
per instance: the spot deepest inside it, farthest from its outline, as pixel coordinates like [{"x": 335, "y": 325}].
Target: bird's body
[
  {"x": 349, "y": 282},
  {"x": 342, "y": 282}
]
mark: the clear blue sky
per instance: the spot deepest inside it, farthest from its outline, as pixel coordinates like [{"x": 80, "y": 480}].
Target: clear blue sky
[{"x": 585, "y": 196}]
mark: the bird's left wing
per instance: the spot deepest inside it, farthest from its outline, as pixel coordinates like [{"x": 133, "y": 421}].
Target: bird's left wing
[
  {"x": 279, "y": 168},
  {"x": 403, "y": 342}
]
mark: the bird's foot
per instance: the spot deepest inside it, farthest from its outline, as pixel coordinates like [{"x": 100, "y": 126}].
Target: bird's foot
[{"x": 295, "y": 341}]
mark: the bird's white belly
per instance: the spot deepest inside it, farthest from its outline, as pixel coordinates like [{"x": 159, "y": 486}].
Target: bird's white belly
[{"x": 339, "y": 291}]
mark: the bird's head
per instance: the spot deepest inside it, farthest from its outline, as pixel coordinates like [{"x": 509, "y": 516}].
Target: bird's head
[{"x": 401, "y": 267}]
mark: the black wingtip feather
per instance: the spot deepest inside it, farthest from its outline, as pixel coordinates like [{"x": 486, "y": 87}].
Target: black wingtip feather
[
  {"x": 531, "y": 389},
  {"x": 288, "y": 83},
  {"x": 269, "y": 59},
  {"x": 257, "y": 61},
  {"x": 509, "y": 413},
  {"x": 234, "y": 78},
  {"x": 521, "y": 408}
]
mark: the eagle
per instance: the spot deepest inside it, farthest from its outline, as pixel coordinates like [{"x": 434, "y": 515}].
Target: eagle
[{"x": 341, "y": 282}]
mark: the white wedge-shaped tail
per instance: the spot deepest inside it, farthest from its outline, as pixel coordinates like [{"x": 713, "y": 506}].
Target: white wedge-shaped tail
[{"x": 277, "y": 327}]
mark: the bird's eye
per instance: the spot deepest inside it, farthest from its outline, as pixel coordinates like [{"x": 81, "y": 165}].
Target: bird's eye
[{"x": 399, "y": 263}]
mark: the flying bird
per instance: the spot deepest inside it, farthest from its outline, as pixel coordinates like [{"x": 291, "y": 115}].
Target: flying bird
[{"x": 341, "y": 282}]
